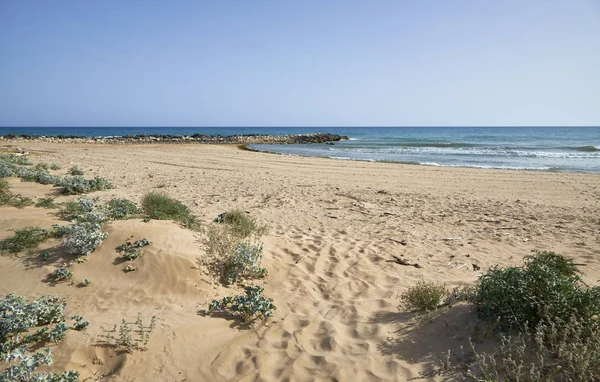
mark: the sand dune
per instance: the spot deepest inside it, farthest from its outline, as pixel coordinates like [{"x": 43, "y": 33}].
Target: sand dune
[{"x": 333, "y": 227}]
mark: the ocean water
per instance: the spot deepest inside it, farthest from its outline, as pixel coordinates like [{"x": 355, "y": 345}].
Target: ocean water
[{"x": 570, "y": 149}]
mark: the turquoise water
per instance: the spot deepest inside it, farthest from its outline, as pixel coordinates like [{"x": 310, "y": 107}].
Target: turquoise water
[{"x": 571, "y": 149}]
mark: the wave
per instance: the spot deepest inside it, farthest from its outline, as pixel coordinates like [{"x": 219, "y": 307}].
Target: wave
[
  {"x": 590, "y": 149},
  {"x": 435, "y": 144},
  {"x": 473, "y": 151}
]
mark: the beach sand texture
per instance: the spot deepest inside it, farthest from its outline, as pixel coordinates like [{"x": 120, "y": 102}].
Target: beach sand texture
[{"x": 333, "y": 227}]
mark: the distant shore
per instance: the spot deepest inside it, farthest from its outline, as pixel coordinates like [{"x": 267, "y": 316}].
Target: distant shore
[{"x": 243, "y": 139}]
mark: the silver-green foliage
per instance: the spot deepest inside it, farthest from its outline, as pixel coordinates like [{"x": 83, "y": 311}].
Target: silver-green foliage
[
  {"x": 27, "y": 325},
  {"x": 85, "y": 234},
  {"x": 80, "y": 185},
  {"x": 250, "y": 306},
  {"x": 244, "y": 263}
]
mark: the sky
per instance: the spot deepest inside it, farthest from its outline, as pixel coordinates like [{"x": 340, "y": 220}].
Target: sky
[{"x": 299, "y": 63}]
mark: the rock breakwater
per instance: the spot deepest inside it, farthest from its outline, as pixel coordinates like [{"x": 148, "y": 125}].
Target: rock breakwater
[{"x": 196, "y": 138}]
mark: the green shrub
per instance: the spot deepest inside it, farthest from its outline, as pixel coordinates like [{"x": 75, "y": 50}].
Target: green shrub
[
  {"x": 242, "y": 224},
  {"x": 160, "y": 206},
  {"x": 121, "y": 208},
  {"x": 26, "y": 238},
  {"x": 75, "y": 171},
  {"x": 424, "y": 296},
  {"x": 249, "y": 307},
  {"x": 547, "y": 286},
  {"x": 46, "y": 203},
  {"x": 244, "y": 262},
  {"x": 54, "y": 166}
]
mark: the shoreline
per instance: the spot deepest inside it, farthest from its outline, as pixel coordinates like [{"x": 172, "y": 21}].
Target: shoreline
[{"x": 246, "y": 147}]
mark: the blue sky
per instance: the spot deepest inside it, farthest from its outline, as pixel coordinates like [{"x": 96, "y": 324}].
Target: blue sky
[{"x": 299, "y": 63}]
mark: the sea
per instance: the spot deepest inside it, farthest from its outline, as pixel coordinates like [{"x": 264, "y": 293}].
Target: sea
[{"x": 558, "y": 149}]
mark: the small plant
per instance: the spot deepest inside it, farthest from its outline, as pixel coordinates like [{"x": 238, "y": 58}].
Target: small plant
[
  {"x": 61, "y": 274},
  {"x": 424, "y": 296},
  {"x": 131, "y": 250},
  {"x": 242, "y": 224},
  {"x": 54, "y": 166},
  {"x": 75, "y": 171},
  {"x": 244, "y": 263},
  {"x": 26, "y": 238},
  {"x": 85, "y": 283},
  {"x": 127, "y": 341},
  {"x": 129, "y": 268},
  {"x": 160, "y": 206},
  {"x": 249, "y": 307},
  {"x": 45, "y": 255},
  {"x": 121, "y": 208},
  {"x": 46, "y": 203}
]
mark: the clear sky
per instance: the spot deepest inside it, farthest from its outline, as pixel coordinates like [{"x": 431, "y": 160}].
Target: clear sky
[{"x": 299, "y": 63}]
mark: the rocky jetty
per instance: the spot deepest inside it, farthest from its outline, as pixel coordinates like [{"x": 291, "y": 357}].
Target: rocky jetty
[{"x": 196, "y": 138}]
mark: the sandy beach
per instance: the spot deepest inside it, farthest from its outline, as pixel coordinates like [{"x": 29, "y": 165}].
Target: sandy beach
[{"x": 334, "y": 227}]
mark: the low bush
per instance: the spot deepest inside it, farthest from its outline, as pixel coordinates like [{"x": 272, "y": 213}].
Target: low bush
[
  {"x": 83, "y": 238},
  {"x": 75, "y": 171},
  {"x": 25, "y": 238},
  {"x": 241, "y": 223},
  {"x": 46, "y": 203},
  {"x": 54, "y": 166},
  {"x": 121, "y": 208},
  {"x": 24, "y": 327},
  {"x": 79, "y": 185},
  {"x": 249, "y": 307},
  {"x": 16, "y": 160},
  {"x": 7, "y": 169},
  {"x": 424, "y": 296},
  {"x": 547, "y": 285},
  {"x": 160, "y": 206},
  {"x": 244, "y": 263}
]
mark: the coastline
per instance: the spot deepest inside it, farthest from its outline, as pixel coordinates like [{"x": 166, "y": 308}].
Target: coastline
[{"x": 333, "y": 226}]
